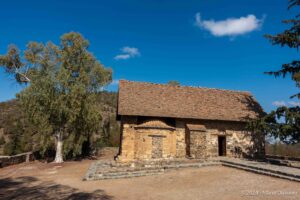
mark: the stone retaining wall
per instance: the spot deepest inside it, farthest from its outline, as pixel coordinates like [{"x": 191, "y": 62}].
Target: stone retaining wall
[
  {"x": 283, "y": 157},
  {"x": 16, "y": 159}
]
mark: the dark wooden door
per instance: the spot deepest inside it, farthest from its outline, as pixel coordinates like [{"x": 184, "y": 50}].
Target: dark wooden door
[
  {"x": 222, "y": 145},
  {"x": 188, "y": 143}
]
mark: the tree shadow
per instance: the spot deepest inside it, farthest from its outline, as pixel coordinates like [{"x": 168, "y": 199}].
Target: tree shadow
[
  {"x": 257, "y": 150},
  {"x": 252, "y": 106},
  {"x": 25, "y": 188}
]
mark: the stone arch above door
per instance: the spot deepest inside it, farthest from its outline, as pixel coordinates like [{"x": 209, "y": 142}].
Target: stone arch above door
[{"x": 155, "y": 139}]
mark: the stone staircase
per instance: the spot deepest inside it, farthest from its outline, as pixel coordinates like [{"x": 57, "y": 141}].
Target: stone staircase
[
  {"x": 288, "y": 163},
  {"x": 128, "y": 174},
  {"x": 101, "y": 170},
  {"x": 263, "y": 168}
]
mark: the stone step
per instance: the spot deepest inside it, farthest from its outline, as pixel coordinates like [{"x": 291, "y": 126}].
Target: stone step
[
  {"x": 137, "y": 173},
  {"x": 127, "y": 169},
  {"x": 288, "y": 163},
  {"x": 258, "y": 171},
  {"x": 98, "y": 171},
  {"x": 224, "y": 162},
  {"x": 170, "y": 162},
  {"x": 164, "y": 166},
  {"x": 133, "y": 172},
  {"x": 192, "y": 165},
  {"x": 124, "y": 176}
]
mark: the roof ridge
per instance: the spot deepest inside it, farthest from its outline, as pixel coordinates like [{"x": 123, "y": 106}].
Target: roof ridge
[{"x": 195, "y": 87}]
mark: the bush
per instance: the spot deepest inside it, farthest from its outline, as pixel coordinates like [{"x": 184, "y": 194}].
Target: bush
[
  {"x": 2, "y": 140},
  {"x": 283, "y": 149},
  {"x": 100, "y": 143}
]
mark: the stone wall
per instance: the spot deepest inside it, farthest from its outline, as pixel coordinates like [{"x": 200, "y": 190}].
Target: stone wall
[
  {"x": 137, "y": 142},
  {"x": 152, "y": 141},
  {"x": 146, "y": 143},
  {"x": 16, "y": 159},
  {"x": 198, "y": 144},
  {"x": 128, "y": 141},
  {"x": 180, "y": 139},
  {"x": 239, "y": 143}
]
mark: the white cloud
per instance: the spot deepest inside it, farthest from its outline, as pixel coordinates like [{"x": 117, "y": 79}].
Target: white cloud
[
  {"x": 131, "y": 51},
  {"x": 283, "y": 103},
  {"x": 128, "y": 52},
  {"x": 294, "y": 103},
  {"x": 122, "y": 57},
  {"x": 229, "y": 26},
  {"x": 279, "y": 103}
]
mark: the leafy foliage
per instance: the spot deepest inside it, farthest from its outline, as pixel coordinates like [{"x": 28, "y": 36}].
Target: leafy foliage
[
  {"x": 174, "y": 83},
  {"x": 2, "y": 140},
  {"x": 284, "y": 122},
  {"x": 23, "y": 136},
  {"x": 61, "y": 98},
  {"x": 291, "y": 39}
]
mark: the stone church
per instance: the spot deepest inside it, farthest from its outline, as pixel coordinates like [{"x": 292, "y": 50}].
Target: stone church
[{"x": 172, "y": 122}]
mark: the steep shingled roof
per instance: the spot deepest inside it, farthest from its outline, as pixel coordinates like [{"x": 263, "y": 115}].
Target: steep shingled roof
[{"x": 158, "y": 100}]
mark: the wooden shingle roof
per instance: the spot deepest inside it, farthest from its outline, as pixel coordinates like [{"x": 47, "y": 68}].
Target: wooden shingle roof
[{"x": 159, "y": 100}]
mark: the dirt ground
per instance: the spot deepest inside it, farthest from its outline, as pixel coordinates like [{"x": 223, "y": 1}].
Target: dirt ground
[{"x": 51, "y": 181}]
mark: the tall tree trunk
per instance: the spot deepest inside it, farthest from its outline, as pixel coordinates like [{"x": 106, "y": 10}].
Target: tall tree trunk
[{"x": 59, "y": 149}]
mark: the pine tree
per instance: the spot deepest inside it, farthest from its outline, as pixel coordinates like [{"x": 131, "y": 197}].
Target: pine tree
[{"x": 284, "y": 122}]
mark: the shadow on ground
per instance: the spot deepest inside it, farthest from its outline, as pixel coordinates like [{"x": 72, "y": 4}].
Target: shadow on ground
[{"x": 31, "y": 188}]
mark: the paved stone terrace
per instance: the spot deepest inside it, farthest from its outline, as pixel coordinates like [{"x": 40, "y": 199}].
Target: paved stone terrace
[
  {"x": 276, "y": 168},
  {"x": 114, "y": 170},
  {"x": 265, "y": 168}
]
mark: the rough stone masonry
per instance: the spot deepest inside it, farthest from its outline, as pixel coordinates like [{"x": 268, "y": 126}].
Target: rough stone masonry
[{"x": 161, "y": 122}]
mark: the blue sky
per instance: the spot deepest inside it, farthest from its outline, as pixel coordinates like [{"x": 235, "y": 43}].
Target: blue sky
[{"x": 214, "y": 43}]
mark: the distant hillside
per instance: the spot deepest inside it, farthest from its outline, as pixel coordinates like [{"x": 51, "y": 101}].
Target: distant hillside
[
  {"x": 10, "y": 114},
  {"x": 8, "y": 109}
]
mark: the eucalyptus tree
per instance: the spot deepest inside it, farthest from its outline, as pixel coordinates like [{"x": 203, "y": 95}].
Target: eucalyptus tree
[
  {"x": 174, "y": 83},
  {"x": 60, "y": 96}
]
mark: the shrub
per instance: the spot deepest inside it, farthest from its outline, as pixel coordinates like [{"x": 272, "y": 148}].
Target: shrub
[{"x": 2, "y": 141}]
